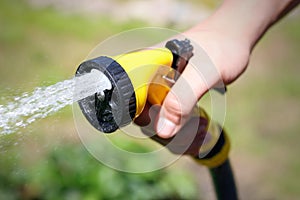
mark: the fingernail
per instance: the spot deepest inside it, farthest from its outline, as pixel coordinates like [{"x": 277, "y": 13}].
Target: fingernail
[{"x": 165, "y": 128}]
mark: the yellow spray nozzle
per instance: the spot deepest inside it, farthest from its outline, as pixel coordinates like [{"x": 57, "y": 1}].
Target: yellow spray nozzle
[{"x": 131, "y": 75}]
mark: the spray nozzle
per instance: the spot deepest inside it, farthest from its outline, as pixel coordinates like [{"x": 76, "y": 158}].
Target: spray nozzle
[{"x": 130, "y": 75}]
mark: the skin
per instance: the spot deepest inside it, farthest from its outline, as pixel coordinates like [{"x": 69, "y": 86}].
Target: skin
[{"x": 228, "y": 37}]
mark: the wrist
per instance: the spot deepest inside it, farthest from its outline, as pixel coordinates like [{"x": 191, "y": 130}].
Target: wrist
[
  {"x": 244, "y": 21},
  {"x": 238, "y": 22}
]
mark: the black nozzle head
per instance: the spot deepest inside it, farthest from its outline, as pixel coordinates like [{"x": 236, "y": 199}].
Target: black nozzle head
[{"x": 110, "y": 109}]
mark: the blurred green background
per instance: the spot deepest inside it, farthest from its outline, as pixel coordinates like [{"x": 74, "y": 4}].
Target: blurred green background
[{"x": 42, "y": 42}]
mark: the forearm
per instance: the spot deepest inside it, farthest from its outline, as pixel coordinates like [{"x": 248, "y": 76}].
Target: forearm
[{"x": 247, "y": 20}]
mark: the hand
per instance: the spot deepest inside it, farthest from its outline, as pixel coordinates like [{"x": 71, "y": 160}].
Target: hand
[
  {"x": 227, "y": 37},
  {"x": 229, "y": 56}
]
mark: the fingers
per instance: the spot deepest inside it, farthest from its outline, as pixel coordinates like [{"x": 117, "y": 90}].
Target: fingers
[
  {"x": 181, "y": 100},
  {"x": 187, "y": 141}
]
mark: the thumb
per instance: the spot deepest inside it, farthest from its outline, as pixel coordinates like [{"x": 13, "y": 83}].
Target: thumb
[{"x": 181, "y": 100}]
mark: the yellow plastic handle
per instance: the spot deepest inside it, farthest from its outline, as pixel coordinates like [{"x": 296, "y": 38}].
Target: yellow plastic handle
[{"x": 141, "y": 66}]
